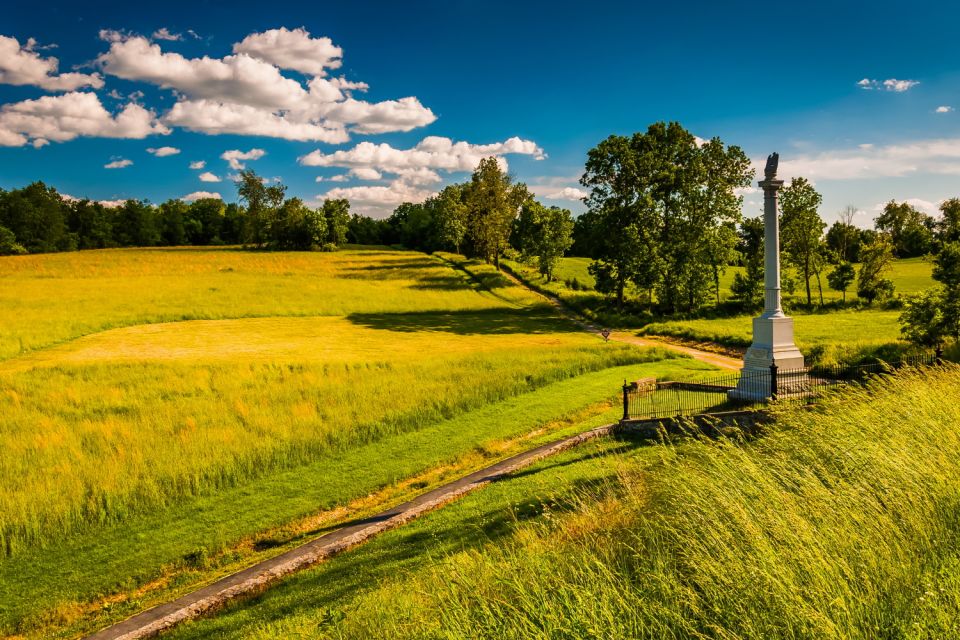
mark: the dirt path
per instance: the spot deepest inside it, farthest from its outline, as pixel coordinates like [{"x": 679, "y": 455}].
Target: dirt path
[{"x": 251, "y": 580}]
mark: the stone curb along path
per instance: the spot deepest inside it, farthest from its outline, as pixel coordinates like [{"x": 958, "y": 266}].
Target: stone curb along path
[{"x": 253, "y": 579}]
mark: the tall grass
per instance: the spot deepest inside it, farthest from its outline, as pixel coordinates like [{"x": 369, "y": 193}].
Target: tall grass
[
  {"x": 838, "y": 523},
  {"x": 93, "y": 445}
]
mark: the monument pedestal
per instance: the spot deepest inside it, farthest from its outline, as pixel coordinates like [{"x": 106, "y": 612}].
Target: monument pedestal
[{"x": 772, "y": 344}]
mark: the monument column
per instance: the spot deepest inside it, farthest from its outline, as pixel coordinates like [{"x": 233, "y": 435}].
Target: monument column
[
  {"x": 773, "y": 330},
  {"x": 771, "y": 248}
]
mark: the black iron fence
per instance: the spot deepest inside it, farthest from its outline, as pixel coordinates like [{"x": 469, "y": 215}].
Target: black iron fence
[{"x": 648, "y": 398}]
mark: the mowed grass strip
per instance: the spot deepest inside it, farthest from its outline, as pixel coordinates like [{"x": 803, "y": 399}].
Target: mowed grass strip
[
  {"x": 50, "y": 298},
  {"x": 152, "y": 557},
  {"x": 841, "y": 522}
]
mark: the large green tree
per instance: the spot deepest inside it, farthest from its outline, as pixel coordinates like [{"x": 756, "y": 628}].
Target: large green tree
[
  {"x": 747, "y": 287},
  {"x": 337, "y": 214},
  {"x": 449, "y": 211},
  {"x": 801, "y": 230},
  {"x": 876, "y": 257},
  {"x": 665, "y": 207},
  {"x": 544, "y": 234},
  {"x": 909, "y": 229},
  {"x": 493, "y": 200}
]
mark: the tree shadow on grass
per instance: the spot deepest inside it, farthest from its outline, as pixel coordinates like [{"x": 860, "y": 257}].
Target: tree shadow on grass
[
  {"x": 404, "y": 268},
  {"x": 537, "y": 320},
  {"x": 330, "y": 587}
]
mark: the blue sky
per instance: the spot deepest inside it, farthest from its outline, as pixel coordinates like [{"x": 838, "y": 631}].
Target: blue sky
[{"x": 536, "y": 83}]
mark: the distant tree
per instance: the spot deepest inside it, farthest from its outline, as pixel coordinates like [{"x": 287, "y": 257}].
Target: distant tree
[
  {"x": 414, "y": 226},
  {"x": 544, "y": 234},
  {"x": 203, "y": 221},
  {"x": 337, "y": 215},
  {"x": 9, "y": 245},
  {"x": 298, "y": 227},
  {"x": 449, "y": 211},
  {"x": 802, "y": 227},
  {"x": 933, "y": 317},
  {"x": 36, "y": 214},
  {"x": 843, "y": 240},
  {"x": 136, "y": 225},
  {"x": 875, "y": 260},
  {"x": 365, "y": 230},
  {"x": 262, "y": 203},
  {"x": 172, "y": 214},
  {"x": 233, "y": 224},
  {"x": 747, "y": 286},
  {"x": 91, "y": 223},
  {"x": 909, "y": 229},
  {"x": 948, "y": 227},
  {"x": 493, "y": 201},
  {"x": 842, "y": 277}
]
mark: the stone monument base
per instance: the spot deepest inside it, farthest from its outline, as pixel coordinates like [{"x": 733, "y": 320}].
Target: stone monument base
[{"x": 772, "y": 344}]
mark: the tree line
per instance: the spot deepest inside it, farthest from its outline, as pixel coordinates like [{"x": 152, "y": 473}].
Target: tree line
[
  {"x": 485, "y": 217},
  {"x": 38, "y": 219}
]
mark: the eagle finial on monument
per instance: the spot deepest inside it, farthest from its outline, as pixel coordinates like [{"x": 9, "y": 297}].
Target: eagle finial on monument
[{"x": 772, "y": 161}]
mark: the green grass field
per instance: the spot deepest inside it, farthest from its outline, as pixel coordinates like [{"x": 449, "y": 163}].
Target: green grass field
[
  {"x": 824, "y": 338},
  {"x": 162, "y": 412},
  {"x": 837, "y": 523}
]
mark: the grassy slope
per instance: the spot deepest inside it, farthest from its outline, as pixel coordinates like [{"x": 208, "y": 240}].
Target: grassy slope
[
  {"x": 838, "y": 523},
  {"x": 131, "y": 453},
  {"x": 37, "y": 595}
]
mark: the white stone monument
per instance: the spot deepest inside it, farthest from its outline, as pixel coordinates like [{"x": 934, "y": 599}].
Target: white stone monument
[{"x": 773, "y": 330}]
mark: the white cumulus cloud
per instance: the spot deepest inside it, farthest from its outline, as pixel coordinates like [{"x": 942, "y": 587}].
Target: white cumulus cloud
[
  {"x": 198, "y": 164},
  {"x": 292, "y": 49},
  {"x": 22, "y": 65},
  {"x": 164, "y": 34},
  {"x": 208, "y": 176},
  {"x": 64, "y": 117},
  {"x": 163, "y": 152},
  {"x": 246, "y": 93},
  {"x": 212, "y": 117},
  {"x": 379, "y": 201},
  {"x": 200, "y": 195},
  {"x": 572, "y": 194},
  {"x": 118, "y": 164},
  {"x": 433, "y": 152},
  {"x": 236, "y": 158},
  {"x": 944, "y": 109},
  {"x": 890, "y": 84}
]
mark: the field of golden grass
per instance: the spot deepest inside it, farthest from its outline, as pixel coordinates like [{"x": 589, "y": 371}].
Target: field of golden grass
[
  {"x": 115, "y": 410},
  {"x": 51, "y": 298}
]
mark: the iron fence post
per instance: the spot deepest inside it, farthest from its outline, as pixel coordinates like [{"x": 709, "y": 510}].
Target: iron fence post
[
  {"x": 938, "y": 355},
  {"x": 773, "y": 380},
  {"x": 626, "y": 401}
]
